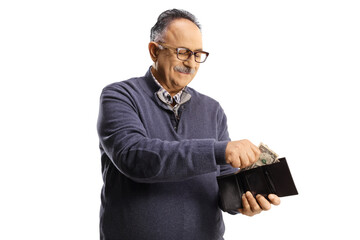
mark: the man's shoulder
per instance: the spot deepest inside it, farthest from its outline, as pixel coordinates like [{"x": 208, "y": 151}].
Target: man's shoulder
[
  {"x": 134, "y": 86},
  {"x": 124, "y": 84},
  {"x": 130, "y": 88}
]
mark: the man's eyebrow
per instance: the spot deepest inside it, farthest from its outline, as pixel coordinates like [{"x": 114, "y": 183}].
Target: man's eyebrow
[{"x": 199, "y": 49}]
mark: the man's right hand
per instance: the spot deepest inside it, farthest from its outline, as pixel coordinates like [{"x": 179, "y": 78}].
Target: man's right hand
[{"x": 240, "y": 154}]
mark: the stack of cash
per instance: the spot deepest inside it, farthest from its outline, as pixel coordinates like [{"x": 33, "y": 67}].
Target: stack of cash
[{"x": 267, "y": 156}]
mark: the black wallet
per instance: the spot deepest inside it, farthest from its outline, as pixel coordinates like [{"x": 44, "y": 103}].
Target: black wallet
[{"x": 274, "y": 178}]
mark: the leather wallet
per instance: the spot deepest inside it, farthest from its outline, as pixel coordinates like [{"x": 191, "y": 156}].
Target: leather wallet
[{"x": 273, "y": 178}]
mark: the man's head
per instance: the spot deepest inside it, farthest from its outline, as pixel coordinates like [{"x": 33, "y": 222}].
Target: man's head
[
  {"x": 174, "y": 30},
  {"x": 165, "y": 18}
]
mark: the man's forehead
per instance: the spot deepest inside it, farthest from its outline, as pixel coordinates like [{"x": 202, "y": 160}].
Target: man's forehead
[{"x": 183, "y": 33}]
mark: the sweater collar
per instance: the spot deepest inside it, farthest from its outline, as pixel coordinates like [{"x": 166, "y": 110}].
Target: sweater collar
[{"x": 148, "y": 84}]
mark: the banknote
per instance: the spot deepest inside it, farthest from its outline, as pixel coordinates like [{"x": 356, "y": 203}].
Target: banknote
[{"x": 267, "y": 156}]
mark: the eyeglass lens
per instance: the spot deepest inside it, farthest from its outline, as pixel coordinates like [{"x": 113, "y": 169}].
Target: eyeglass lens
[{"x": 185, "y": 54}]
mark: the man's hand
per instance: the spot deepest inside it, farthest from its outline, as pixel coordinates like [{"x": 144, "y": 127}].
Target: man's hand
[
  {"x": 240, "y": 154},
  {"x": 252, "y": 206}
]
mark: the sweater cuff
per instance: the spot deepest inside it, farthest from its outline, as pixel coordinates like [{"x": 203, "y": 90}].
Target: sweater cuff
[{"x": 220, "y": 148}]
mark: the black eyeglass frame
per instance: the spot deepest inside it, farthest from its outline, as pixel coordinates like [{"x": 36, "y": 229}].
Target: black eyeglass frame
[{"x": 186, "y": 49}]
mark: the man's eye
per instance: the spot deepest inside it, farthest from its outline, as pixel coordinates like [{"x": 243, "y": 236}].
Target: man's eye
[{"x": 184, "y": 51}]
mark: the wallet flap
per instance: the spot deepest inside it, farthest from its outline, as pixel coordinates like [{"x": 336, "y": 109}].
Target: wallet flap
[
  {"x": 281, "y": 179},
  {"x": 229, "y": 191}
]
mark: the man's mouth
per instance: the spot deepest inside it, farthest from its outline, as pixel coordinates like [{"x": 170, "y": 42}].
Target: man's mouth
[{"x": 184, "y": 70}]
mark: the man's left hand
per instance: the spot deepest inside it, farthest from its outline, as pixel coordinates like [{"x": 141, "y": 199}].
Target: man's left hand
[{"x": 252, "y": 206}]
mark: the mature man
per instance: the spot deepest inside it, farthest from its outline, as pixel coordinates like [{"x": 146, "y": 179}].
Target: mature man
[{"x": 163, "y": 144}]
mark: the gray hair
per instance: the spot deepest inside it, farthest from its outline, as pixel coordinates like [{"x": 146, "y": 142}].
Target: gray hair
[{"x": 158, "y": 30}]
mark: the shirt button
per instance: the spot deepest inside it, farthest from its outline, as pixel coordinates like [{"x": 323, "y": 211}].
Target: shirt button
[{"x": 175, "y": 128}]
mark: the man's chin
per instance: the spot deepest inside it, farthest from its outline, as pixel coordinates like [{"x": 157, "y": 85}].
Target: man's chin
[
  {"x": 183, "y": 82},
  {"x": 186, "y": 76}
]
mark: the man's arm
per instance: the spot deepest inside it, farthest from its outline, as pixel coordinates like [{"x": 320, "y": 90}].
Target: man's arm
[
  {"x": 125, "y": 141},
  {"x": 223, "y": 135}
]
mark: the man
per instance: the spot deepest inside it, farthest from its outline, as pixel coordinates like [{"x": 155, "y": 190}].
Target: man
[{"x": 163, "y": 144}]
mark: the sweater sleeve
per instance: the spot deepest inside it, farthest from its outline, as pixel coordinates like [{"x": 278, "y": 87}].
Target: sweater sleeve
[
  {"x": 124, "y": 140},
  {"x": 223, "y": 137}
]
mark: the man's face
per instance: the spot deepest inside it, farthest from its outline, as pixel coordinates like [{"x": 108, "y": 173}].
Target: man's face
[{"x": 168, "y": 69}]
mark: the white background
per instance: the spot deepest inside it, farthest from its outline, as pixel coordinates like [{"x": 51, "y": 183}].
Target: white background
[{"x": 286, "y": 73}]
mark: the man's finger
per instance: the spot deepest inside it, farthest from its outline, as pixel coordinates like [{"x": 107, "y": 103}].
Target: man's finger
[
  {"x": 245, "y": 202},
  {"x": 237, "y": 163},
  {"x": 264, "y": 204},
  {"x": 274, "y": 199},
  {"x": 253, "y": 203},
  {"x": 251, "y": 157},
  {"x": 244, "y": 160}
]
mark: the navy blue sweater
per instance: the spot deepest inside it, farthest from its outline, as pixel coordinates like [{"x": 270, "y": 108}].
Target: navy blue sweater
[{"x": 159, "y": 172}]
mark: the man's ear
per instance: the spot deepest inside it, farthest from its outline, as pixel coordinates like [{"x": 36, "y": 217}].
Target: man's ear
[{"x": 154, "y": 51}]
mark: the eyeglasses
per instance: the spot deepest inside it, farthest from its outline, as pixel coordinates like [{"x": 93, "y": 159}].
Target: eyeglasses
[{"x": 184, "y": 54}]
